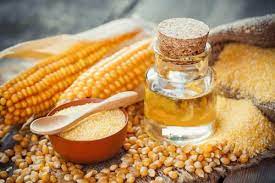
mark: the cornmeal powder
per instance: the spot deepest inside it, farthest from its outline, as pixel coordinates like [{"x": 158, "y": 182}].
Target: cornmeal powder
[
  {"x": 96, "y": 126},
  {"x": 247, "y": 70},
  {"x": 243, "y": 126}
]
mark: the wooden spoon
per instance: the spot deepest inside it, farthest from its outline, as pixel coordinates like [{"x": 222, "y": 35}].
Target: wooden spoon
[{"x": 50, "y": 125}]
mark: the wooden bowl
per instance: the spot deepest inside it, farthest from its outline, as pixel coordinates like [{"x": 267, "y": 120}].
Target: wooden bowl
[{"x": 88, "y": 151}]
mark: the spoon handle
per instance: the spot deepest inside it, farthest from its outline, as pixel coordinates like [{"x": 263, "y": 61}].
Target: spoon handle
[{"x": 60, "y": 123}]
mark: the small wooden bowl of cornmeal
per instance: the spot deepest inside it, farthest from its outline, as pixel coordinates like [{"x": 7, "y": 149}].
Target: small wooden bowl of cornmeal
[{"x": 98, "y": 137}]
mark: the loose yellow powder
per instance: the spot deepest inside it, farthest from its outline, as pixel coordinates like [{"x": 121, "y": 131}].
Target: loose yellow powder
[
  {"x": 96, "y": 126},
  {"x": 247, "y": 70},
  {"x": 243, "y": 126}
]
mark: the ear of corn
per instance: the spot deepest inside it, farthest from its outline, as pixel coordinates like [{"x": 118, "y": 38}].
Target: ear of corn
[
  {"x": 120, "y": 72},
  {"x": 36, "y": 90}
]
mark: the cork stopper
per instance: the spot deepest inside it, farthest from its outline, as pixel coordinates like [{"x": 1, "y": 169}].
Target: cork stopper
[{"x": 180, "y": 37}]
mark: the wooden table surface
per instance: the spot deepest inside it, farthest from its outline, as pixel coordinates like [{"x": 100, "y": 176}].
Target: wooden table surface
[{"x": 262, "y": 173}]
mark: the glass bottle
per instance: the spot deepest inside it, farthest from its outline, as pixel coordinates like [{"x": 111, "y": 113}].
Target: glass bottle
[{"x": 179, "y": 102}]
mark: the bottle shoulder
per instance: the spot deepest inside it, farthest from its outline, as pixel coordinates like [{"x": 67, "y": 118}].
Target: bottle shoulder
[{"x": 179, "y": 87}]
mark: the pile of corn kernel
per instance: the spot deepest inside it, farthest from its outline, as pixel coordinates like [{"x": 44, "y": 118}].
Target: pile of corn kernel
[{"x": 36, "y": 161}]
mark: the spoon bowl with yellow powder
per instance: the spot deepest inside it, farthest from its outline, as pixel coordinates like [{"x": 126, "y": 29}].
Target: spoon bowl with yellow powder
[{"x": 98, "y": 137}]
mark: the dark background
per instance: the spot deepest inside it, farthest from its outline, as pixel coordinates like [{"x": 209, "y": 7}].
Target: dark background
[{"x": 22, "y": 20}]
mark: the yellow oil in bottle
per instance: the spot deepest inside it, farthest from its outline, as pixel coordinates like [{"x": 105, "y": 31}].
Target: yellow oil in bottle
[{"x": 189, "y": 112}]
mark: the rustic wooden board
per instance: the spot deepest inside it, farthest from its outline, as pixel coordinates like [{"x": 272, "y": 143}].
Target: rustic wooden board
[{"x": 262, "y": 173}]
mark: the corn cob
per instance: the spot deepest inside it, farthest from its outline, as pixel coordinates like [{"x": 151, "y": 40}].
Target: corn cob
[
  {"x": 36, "y": 90},
  {"x": 120, "y": 72}
]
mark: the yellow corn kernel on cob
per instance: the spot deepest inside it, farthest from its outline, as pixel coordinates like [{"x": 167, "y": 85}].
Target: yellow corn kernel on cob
[
  {"x": 120, "y": 72},
  {"x": 36, "y": 90}
]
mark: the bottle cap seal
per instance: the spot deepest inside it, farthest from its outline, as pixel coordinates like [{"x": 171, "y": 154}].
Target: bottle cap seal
[{"x": 179, "y": 37}]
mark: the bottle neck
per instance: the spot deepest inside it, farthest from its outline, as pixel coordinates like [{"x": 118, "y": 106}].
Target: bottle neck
[{"x": 184, "y": 69}]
